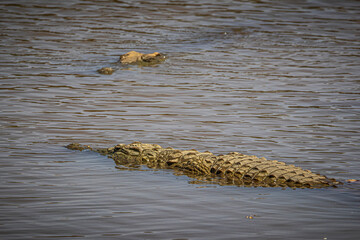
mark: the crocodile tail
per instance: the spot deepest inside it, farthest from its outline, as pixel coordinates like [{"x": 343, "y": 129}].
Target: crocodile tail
[{"x": 241, "y": 169}]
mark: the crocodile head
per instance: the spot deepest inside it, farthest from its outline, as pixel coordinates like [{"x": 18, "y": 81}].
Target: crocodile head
[
  {"x": 153, "y": 57},
  {"x": 136, "y": 153},
  {"x": 141, "y": 59}
]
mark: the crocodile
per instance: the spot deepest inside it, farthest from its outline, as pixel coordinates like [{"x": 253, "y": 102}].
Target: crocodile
[
  {"x": 136, "y": 58},
  {"x": 231, "y": 169}
]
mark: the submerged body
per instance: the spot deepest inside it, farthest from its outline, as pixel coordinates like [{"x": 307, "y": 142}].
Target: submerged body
[{"x": 233, "y": 168}]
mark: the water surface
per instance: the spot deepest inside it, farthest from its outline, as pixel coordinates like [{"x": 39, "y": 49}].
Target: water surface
[{"x": 276, "y": 79}]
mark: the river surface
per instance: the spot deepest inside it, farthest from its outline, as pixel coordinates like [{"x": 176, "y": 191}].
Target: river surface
[{"x": 276, "y": 79}]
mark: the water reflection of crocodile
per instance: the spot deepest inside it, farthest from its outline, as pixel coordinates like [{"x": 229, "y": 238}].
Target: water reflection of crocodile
[
  {"x": 137, "y": 58},
  {"x": 233, "y": 168}
]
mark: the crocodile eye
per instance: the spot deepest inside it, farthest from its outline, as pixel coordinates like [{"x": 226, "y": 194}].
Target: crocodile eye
[
  {"x": 123, "y": 150},
  {"x": 149, "y": 154},
  {"x": 134, "y": 151}
]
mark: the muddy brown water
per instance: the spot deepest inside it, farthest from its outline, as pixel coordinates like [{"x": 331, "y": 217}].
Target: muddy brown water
[{"x": 276, "y": 79}]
